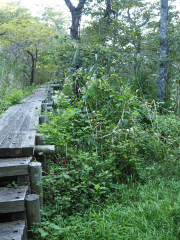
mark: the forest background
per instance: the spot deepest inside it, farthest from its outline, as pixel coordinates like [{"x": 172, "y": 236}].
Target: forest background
[{"x": 115, "y": 123}]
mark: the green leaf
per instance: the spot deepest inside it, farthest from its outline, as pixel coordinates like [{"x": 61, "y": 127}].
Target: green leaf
[
  {"x": 40, "y": 153},
  {"x": 56, "y": 227},
  {"x": 125, "y": 121},
  {"x": 97, "y": 187},
  {"x": 95, "y": 144},
  {"x": 74, "y": 58},
  {"x": 66, "y": 176},
  {"x": 42, "y": 232}
]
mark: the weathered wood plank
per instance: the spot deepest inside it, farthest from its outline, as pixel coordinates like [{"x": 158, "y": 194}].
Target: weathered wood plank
[
  {"x": 28, "y": 144},
  {"x": 18, "y": 129},
  {"x": 23, "y": 130},
  {"x": 11, "y": 111},
  {"x": 39, "y": 94},
  {"x": 13, "y": 230},
  {"x": 12, "y": 122},
  {"x": 14, "y": 166},
  {"x": 18, "y": 126},
  {"x": 12, "y": 199}
]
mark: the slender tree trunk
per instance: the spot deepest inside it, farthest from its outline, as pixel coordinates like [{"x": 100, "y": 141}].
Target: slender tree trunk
[
  {"x": 137, "y": 55},
  {"x": 33, "y": 66},
  {"x": 163, "y": 61}
]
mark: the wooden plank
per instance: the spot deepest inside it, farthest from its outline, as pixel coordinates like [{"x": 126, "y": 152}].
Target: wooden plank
[
  {"x": 18, "y": 126},
  {"x": 12, "y": 199},
  {"x": 13, "y": 230},
  {"x": 14, "y": 137},
  {"x": 28, "y": 144},
  {"x": 8, "y": 114},
  {"x": 14, "y": 166},
  {"x": 8, "y": 132},
  {"x": 39, "y": 94},
  {"x": 22, "y": 131}
]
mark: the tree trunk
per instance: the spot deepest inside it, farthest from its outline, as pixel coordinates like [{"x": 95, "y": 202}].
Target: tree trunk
[
  {"x": 76, "y": 13},
  {"x": 163, "y": 61},
  {"x": 33, "y": 66},
  {"x": 137, "y": 55}
]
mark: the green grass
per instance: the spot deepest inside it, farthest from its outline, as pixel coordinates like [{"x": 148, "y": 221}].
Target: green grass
[{"x": 150, "y": 211}]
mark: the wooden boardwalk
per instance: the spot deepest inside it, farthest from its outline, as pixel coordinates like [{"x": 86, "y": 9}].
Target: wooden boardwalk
[
  {"x": 17, "y": 145},
  {"x": 18, "y": 126}
]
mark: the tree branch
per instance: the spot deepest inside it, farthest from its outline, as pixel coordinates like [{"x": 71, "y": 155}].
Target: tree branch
[
  {"x": 72, "y": 8},
  {"x": 69, "y": 5},
  {"x": 144, "y": 23},
  {"x": 129, "y": 19}
]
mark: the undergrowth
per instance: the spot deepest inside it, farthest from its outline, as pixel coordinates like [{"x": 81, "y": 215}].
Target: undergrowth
[{"x": 116, "y": 170}]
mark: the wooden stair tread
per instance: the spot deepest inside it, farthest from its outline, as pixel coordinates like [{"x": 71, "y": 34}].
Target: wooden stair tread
[
  {"x": 14, "y": 166},
  {"x": 12, "y": 199},
  {"x": 13, "y": 230}
]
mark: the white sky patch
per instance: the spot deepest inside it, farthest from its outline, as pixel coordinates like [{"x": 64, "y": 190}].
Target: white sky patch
[{"x": 36, "y": 6}]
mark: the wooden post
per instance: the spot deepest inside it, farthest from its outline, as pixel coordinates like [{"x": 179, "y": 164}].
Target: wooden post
[
  {"x": 42, "y": 158},
  {"x": 44, "y": 106},
  {"x": 33, "y": 211},
  {"x": 47, "y": 100},
  {"x": 35, "y": 172},
  {"x": 42, "y": 119},
  {"x": 50, "y": 90},
  {"x": 40, "y": 141}
]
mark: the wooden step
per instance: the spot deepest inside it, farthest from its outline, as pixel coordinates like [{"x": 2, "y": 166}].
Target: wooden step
[
  {"x": 14, "y": 166},
  {"x": 13, "y": 230},
  {"x": 12, "y": 199}
]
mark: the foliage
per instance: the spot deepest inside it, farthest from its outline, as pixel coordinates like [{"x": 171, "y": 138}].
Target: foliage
[
  {"x": 13, "y": 96},
  {"x": 24, "y": 38},
  {"x": 108, "y": 143}
]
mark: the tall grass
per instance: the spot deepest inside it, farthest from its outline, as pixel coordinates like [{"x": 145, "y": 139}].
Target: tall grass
[{"x": 144, "y": 212}]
